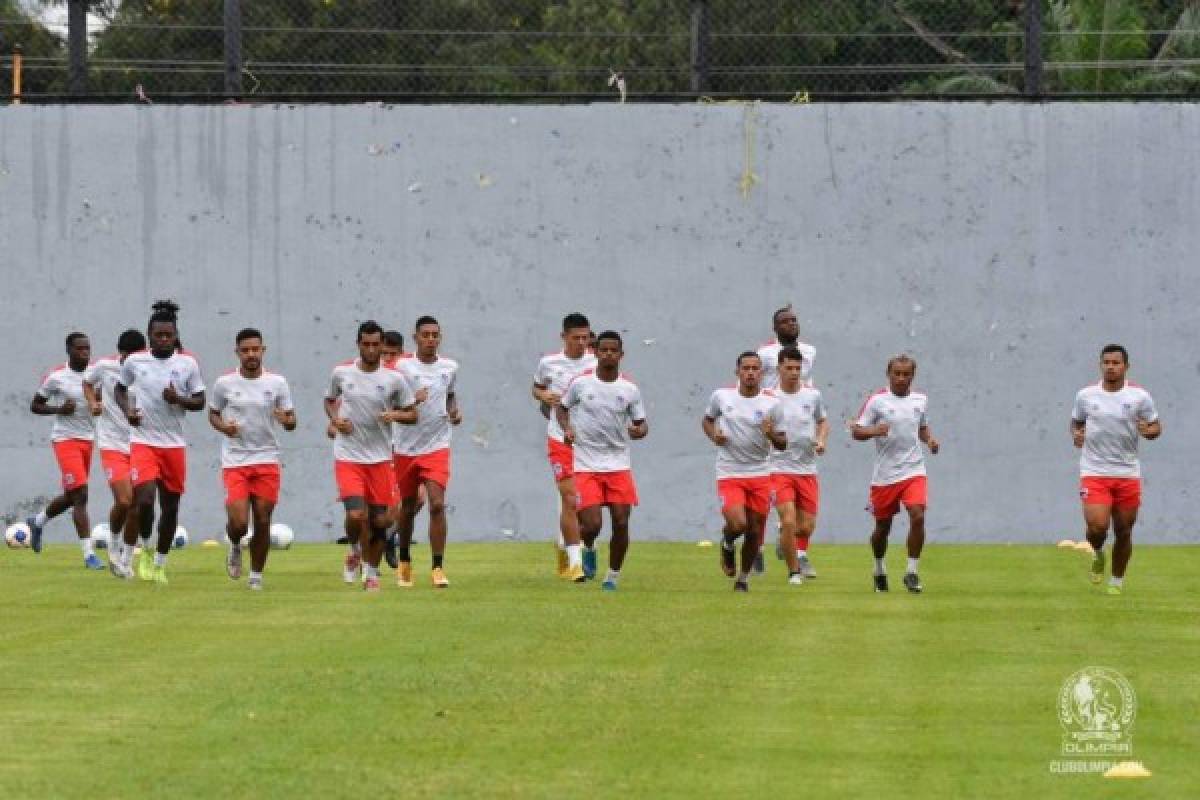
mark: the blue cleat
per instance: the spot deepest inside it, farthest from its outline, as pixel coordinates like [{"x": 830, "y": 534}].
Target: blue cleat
[
  {"x": 589, "y": 563},
  {"x": 35, "y": 534},
  {"x": 609, "y": 586},
  {"x": 93, "y": 562}
]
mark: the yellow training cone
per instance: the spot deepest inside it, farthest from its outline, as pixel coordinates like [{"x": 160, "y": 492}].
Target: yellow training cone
[
  {"x": 704, "y": 543},
  {"x": 1128, "y": 769},
  {"x": 1083, "y": 547},
  {"x": 210, "y": 543},
  {"x": 1066, "y": 543}
]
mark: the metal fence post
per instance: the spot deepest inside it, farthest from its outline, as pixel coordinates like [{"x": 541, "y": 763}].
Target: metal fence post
[
  {"x": 77, "y": 76},
  {"x": 233, "y": 48},
  {"x": 699, "y": 42},
  {"x": 1033, "y": 48}
]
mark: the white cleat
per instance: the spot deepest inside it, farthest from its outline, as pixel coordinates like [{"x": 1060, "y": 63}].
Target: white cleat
[
  {"x": 806, "y": 568},
  {"x": 233, "y": 563},
  {"x": 796, "y": 579}
]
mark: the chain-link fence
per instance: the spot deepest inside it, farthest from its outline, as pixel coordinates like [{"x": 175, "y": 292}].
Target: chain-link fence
[{"x": 447, "y": 50}]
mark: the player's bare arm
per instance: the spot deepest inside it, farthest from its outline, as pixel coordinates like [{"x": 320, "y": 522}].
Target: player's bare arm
[
  {"x": 1078, "y": 430},
  {"x": 543, "y": 394},
  {"x": 778, "y": 439},
  {"x": 564, "y": 421},
  {"x": 337, "y": 422},
  {"x": 926, "y": 436},
  {"x": 713, "y": 431},
  {"x": 822, "y": 437},
  {"x": 131, "y": 414},
  {"x": 42, "y": 407},
  {"x": 287, "y": 419},
  {"x": 404, "y": 416},
  {"x": 639, "y": 429},
  {"x": 193, "y": 403},
  {"x": 452, "y": 410},
  {"x": 221, "y": 425},
  {"x": 1149, "y": 430},
  {"x": 92, "y": 397},
  {"x": 863, "y": 433}
]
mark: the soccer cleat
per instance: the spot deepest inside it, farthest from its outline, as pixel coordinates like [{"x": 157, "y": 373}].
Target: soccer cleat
[
  {"x": 389, "y": 550},
  {"x": 881, "y": 584},
  {"x": 159, "y": 575},
  {"x": 404, "y": 575},
  {"x": 145, "y": 564},
  {"x": 912, "y": 582},
  {"x": 609, "y": 586},
  {"x": 796, "y": 579},
  {"x": 728, "y": 561},
  {"x": 741, "y": 586},
  {"x": 351, "y": 566},
  {"x": 760, "y": 565},
  {"x": 564, "y": 564},
  {"x": 35, "y": 534},
  {"x": 440, "y": 581},
  {"x": 371, "y": 585},
  {"x": 118, "y": 569},
  {"x": 805, "y": 566},
  {"x": 1113, "y": 590},
  {"x": 576, "y": 575},
  {"x": 233, "y": 563},
  {"x": 1098, "y": 567},
  {"x": 93, "y": 562},
  {"x": 254, "y": 584},
  {"x": 589, "y": 563}
]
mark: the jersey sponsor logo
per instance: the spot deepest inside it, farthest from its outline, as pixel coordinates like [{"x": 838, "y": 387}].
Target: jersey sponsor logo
[{"x": 758, "y": 415}]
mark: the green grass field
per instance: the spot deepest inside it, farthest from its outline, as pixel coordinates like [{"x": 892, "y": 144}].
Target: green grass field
[{"x": 513, "y": 684}]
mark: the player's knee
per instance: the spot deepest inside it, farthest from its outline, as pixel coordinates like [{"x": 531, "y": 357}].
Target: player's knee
[
  {"x": 437, "y": 507},
  {"x": 916, "y": 514},
  {"x": 357, "y": 515},
  {"x": 79, "y": 497}
]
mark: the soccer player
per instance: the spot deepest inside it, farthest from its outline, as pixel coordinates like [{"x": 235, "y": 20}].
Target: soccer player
[
  {"x": 744, "y": 424},
  {"x": 112, "y": 438},
  {"x": 554, "y": 373},
  {"x": 600, "y": 412},
  {"x": 1106, "y": 422},
  {"x": 896, "y": 418},
  {"x": 787, "y": 334},
  {"x": 364, "y": 399},
  {"x": 422, "y": 451},
  {"x": 393, "y": 348},
  {"x": 72, "y": 436},
  {"x": 794, "y": 483},
  {"x": 154, "y": 390},
  {"x": 246, "y": 406}
]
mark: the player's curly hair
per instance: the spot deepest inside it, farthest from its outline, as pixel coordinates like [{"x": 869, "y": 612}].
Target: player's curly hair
[{"x": 164, "y": 311}]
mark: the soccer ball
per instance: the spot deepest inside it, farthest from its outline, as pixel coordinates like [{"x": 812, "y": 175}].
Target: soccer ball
[
  {"x": 17, "y": 535},
  {"x": 181, "y": 538},
  {"x": 101, "y": 536},
  {"x": 281, "y": 536}
]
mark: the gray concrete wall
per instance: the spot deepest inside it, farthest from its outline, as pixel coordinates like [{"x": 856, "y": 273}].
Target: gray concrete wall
[{"x": 1001, "y": 244}]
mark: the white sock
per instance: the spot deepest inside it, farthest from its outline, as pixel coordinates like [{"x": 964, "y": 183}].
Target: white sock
[
  {"x": 880, "y": 567},
  {"x": 87, "y": 547},
  {"x": 126, "y": 554},
  {"x": 912, "y": 566},
  {"x": 354, "y": 548},
  {"x": 160, "y": 559},
  {"x": 255, "y": 576},
  {"x": 801, "y": 554},
  {"x": 372, "y": 572},
  {"x": 575, "y": 555},
  {"x": 1115, "y": 581},
  {"x": 613, "y": 575},
  {"x": 561, "y": 543},
  {"x": 743, "y": 577},
  {"x": 41, "y": 518}
]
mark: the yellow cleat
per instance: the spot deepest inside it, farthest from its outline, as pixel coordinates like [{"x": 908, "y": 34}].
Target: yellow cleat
[
  {"x": 404, "y": 575},
  {"x": 564, "y": 566},
  {"x": 440, "y": 581},
  {"x": 576, "y": 575},
  {"x": 1113, "y": 590},
  {"x": 145, "y": 564},
  {"x": 159, "y": 575}
]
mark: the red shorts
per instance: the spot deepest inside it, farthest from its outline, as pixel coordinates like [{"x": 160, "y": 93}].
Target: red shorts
[
  {"x": 803, "y": 490},
  {"x": 74, "y": 458},
  {"x": 167, "y": 465},
  {"x": 562, "y": 459},
  {"x": 751, "y": 493},
  {"x": 886, "y": 499},
  {"x": 604, "y": 488},
  {"x": 412, "y": 471},
  {"x": 375, "y": 483},
  {"x": 116, "y": 465},
  {"x": 253, "y": 480},
  {"x": 1112, "y": 492}
]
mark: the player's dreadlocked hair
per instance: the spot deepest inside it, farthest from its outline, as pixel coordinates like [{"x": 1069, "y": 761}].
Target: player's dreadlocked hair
[{"x": 165, "y": 311}]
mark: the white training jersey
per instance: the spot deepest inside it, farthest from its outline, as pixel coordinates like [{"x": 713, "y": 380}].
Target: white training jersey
[
  {"x": 251, "y": 403},
  {"x": 145, "y": 376},
  {"x": 555, "y": 372},
  {"x": 432, "y": 429},
  {"x": 59, "y": 385},
  {"x": 769, "y": 355},
  {"x": 112, "y": 428},
  {"x": 898, "y": 456},
  {"x": 747, "y": 451},
  {"x": 801, "y": 410},
  {"x": 365, "y": 397},
  {"x": 601, "y": 413},
  {"x": 1110, "y": 441}
]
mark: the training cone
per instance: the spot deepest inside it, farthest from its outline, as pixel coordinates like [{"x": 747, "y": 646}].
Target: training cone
[
  {"x": 210, "y": 543},
  {"x": 704, "y": 543},
  {"x": 1128, "y": 769},
  {"x": 1066, "y": 543},
  {"x": 1083, "y": 547}
]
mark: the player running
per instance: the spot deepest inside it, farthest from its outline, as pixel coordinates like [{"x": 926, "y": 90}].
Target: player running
[
  {"x": 246, "y": 406},
  {"x": 794, "y": 483},
  {"x": 787, "y": 334},
  {"x": 896, "y": 418},
  {"x": 71, "y": 436},
  {"x": 554, "y": 373},
  {"x": 364, "y": 399},
  {"x": 600, "y": 412},
  {"x": 112, "y": 438},
  {"x": 422, "y": 451},
  {"x": 744, "y": 424},
  {"x": 154, "y": 390},
  {"x": 1106, "y": 422}
]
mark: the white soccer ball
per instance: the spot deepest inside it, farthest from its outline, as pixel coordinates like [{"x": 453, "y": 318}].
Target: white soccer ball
[
  {"x": 281, "y": 536},
  {"x": 17, "y": 535},
  {"x": 181, "y": 537},
  {"x": 101, "y": 536}
]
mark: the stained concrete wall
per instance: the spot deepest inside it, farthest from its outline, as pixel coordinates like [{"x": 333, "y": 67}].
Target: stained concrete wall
[{"x": 1001, "y": 244}]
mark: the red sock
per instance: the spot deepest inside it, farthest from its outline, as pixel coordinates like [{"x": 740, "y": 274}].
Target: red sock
[{"x": 802, "y": 543}]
